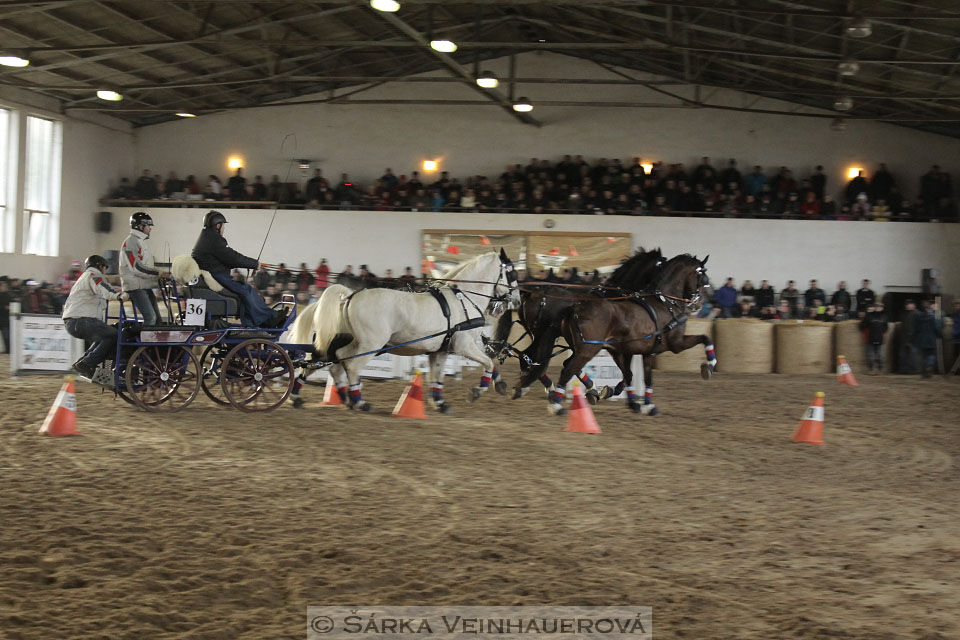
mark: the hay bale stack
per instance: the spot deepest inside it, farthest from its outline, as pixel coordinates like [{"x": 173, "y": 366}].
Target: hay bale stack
[
  {"x": 691, "y": 359},
  {"x": 744, "y": 345},
  {"x": 804, "y": 347},
  {"x": 850, "y": 344}
]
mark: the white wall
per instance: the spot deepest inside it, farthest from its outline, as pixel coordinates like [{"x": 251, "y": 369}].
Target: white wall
[
  {"x": 364, "y": 139},
  {"x": 889, "y": 254},
  {"x": 97, "y": 151}
]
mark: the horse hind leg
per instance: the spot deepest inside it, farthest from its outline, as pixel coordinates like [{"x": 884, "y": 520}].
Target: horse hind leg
[{"x": 435, "y": 399}]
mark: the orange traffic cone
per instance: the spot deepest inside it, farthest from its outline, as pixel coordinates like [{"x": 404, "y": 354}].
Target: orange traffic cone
[
  {"x": 410, "y": 404},
  {"x": 844, "y": 373},
  {"x": 810, "y": 429},
  {"x": 62, "y": 418},
  {"x": 581, "y": 418},
  {"x": 330, "y": 396}
]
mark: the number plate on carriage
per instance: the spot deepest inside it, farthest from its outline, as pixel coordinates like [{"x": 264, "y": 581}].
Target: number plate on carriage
[{"x": 196, "y": 311}]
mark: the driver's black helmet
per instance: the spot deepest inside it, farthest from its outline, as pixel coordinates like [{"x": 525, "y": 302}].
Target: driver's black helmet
[
  {"x": 212, "y": 219},
  {"x": 97, "y": 262},
  {"x": 139, "y": 218}
]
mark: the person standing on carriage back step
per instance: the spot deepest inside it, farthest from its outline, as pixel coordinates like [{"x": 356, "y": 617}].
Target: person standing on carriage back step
[
  {"x": 84, "y": 311},
  {"x": 137, "y": 273},
  {"x": 212, "y": 253}
]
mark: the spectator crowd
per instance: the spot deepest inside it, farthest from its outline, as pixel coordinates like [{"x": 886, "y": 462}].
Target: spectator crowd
[{"x": 572, "y": 185}]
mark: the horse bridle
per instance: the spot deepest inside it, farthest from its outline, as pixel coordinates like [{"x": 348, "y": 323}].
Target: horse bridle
[{"x": 498, "y": 302}]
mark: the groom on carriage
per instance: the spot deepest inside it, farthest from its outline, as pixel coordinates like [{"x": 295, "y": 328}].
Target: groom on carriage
[{"x": 212, "y": 254}]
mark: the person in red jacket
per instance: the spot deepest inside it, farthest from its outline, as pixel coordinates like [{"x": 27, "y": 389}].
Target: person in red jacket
[{"x": 322, "y": 279}]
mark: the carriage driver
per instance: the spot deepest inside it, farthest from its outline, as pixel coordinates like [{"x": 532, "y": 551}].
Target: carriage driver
[
  {"x": 83, "y": 314},
  {"x": 212, "y": 253},
  {"x": 137, "y": 273}
]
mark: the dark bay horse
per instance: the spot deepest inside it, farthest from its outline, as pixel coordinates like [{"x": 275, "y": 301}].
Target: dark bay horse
[
  {"x": 647, "y": 325},
  {"x": 543, "y": 306}
]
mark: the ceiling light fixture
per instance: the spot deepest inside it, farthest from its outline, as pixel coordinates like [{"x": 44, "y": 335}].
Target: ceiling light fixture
[
  {"x": 848, "y": 67},
  {"x": 443, "y": 46},
  {"x": 859, "y": 27},
  {"x": 109, "y": 95},
  {"x": 843, "y": 103},
  {"x": 184, "y": 114},
  {"x": 14, "y": 58},
  {"x": 522, "y": 105},
  {"x": 385, "y": 5},
  {"x": 487, "y": 80}
]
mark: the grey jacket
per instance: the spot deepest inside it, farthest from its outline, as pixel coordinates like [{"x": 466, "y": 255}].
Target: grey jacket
[
  {"x": 89, "y": 295},
  {"x": 136, "y": 263}
]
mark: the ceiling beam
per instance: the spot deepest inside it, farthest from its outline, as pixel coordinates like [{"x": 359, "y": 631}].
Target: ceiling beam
[{"x": 458, "y": 70}]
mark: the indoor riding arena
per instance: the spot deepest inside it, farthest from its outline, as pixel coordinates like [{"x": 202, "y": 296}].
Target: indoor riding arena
[{"x": 717, "y": 243}]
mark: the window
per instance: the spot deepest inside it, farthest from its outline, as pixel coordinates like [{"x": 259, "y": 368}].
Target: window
[
  {"x": 41, "y": 194},
  {"x": 8, "y": 180}
]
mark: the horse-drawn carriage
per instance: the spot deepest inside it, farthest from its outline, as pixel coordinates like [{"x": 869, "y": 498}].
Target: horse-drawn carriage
[{"x": 163, "y": 368}]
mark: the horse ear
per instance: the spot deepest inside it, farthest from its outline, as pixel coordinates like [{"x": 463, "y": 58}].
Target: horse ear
[
  {"x": 703, "y": 262},
  {"x": 503, "y": 256}
]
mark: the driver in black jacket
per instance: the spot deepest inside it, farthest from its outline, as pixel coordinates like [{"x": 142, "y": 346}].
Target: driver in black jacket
[{"x": 212, "y": 253}]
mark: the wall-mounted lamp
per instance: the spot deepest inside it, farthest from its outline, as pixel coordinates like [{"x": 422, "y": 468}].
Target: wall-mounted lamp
[
  {"x": 853, "y": 172},
  {"x": 235, "y": 162},
  {"x": 429, "y": 165}
]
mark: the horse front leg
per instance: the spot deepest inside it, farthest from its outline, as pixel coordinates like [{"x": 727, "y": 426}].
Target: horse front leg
[
  {"x": 466, "y": 346},
  {"x": 582, "y": 354},
  {"x": 686, "y": 342},
  {"x": 648, "y": 407},
  {"x": 437, "y": 361},
  {"x": 540, "y": 352},
  {"x": 623, "y": 361}
]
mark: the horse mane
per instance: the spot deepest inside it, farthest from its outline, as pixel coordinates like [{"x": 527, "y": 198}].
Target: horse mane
[
  {"x": 673, "y": 266},
  {"x": 457, "y": 272},
  {"x": 627, "y": 274}
]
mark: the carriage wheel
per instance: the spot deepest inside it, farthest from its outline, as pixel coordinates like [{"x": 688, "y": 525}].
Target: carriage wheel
[
  {"x": 211, "y": 364},
  {"x": 257, "y": 375},
  {"x": 163, "y": 378}
]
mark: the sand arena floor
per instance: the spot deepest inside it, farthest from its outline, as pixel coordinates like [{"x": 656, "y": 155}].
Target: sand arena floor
[{"x": 216, "y": 524}]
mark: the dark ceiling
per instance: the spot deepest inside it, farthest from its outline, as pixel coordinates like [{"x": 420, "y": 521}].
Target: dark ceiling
[{"x": 202, "y": 57}]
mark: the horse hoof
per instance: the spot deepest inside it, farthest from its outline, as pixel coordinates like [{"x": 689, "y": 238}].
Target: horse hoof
[
  {"x": 364, "y": 406},
  {"x": 298, "y": 403},
  {"x": 556, "y": 409},
  {"x": 636, "y": 407},
  {"x": 706, "y": 371},
  {"x": 517, "y": 393},
  {"x": 606, "y": 393},
  {"x": 592, "y": 396},
  {"x": 473, "y": 394},
  {"x": 501, "y": 387},
  {"x": 653, "y": 411},
  {"x": 443, "y": 407}
]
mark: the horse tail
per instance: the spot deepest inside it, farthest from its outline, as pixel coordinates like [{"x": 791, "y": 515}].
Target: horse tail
[
  {"x": 329, "y": 317},
  {"x": 301, "y": 331}
]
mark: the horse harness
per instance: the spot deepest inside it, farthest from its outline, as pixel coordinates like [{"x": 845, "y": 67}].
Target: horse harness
[
  {"x": 674, "y": 322},
  {"x": 466, "y": 325}
]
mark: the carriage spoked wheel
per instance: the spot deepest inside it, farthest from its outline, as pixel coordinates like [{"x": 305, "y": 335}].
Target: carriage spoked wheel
[
  {"x": 211, "y": 363},
  {"x": 257, "y": 375},
  {"x": 162, "y": 378}
]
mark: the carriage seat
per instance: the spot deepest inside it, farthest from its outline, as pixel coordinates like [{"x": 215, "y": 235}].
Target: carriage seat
[{"x": 220, "y": 304}]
